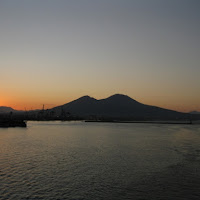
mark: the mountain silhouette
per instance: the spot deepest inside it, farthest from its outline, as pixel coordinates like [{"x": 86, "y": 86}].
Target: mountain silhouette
[
  {"x": 194, "y": 112},
  {"x": 5, "y": 109},
  {"x": 117, "y": 106}
]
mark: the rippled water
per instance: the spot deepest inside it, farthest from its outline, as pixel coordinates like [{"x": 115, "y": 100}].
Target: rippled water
[{"x": 79, "y": 161}]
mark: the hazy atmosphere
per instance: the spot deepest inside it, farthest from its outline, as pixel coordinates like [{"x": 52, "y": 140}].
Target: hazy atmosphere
[
  {"x": 99, "y": 99},
  {"x": 53, "y": 52}
]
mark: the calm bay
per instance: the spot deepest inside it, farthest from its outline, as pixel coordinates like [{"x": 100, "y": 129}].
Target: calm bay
[{"x": 83, "y": 161}]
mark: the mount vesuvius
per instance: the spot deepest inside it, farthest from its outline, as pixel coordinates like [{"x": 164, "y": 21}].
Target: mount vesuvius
[{"x": 117, "y": 106}]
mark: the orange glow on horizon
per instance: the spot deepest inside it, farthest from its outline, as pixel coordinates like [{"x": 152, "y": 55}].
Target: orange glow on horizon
[{"x": 29, "y": 106}]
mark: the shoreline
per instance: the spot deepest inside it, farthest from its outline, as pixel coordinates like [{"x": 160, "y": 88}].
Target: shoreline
[{"x": 139, "y": 122}]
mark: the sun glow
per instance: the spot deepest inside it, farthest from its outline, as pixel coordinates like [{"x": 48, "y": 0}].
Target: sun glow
[{"x": 3, "y": 102}]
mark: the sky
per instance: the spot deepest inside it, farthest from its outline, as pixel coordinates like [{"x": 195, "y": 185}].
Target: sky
[{"x": 52, "y": 52}]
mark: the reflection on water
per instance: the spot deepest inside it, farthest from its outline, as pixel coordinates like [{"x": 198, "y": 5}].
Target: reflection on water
[{"x": 77, "y": 160}]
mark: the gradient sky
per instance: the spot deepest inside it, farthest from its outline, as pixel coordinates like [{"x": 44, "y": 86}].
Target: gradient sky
[{"x": 52, "y": 52}]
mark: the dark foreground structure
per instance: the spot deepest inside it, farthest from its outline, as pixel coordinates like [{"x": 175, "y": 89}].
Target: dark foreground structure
[{"x": 12, "y": 123}]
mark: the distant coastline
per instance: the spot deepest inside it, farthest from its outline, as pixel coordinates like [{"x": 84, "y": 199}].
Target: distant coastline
[
  {"x": 117, "y": 108},
  {"x": 142, "y": 122}
]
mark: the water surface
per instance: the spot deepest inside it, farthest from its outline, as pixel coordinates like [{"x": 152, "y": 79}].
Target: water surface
[{"x": 83, "y": 161}]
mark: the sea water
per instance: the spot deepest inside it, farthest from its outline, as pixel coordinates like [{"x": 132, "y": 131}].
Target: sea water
[{"x": 83, "y": 161}]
